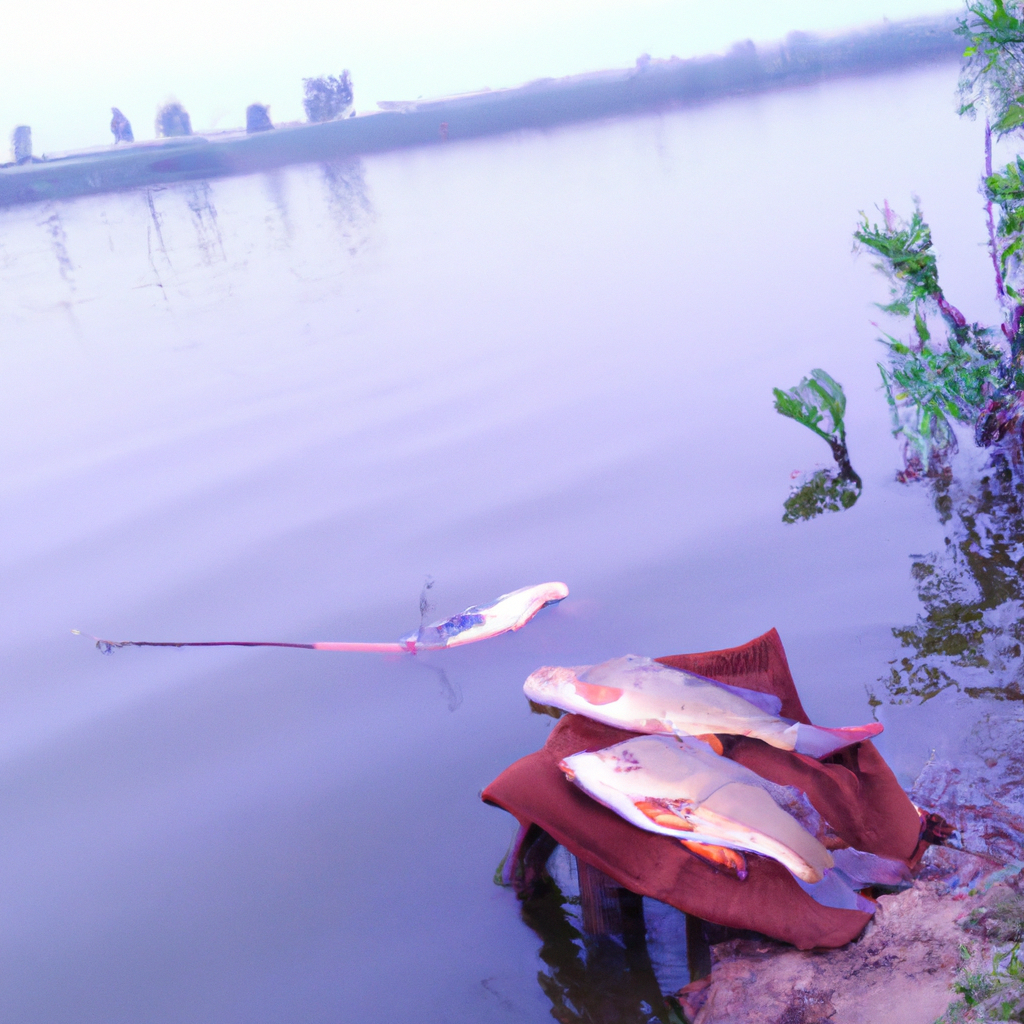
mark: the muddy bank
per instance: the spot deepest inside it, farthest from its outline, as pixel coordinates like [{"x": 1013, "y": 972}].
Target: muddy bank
[{"x": 929, "y": 950}]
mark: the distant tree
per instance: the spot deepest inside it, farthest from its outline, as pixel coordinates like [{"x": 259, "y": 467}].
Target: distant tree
[
  {"x": 121, "y": 127},
  {"x": 257, "y": 118},
  {"x": 21, "y": 144},
  {"x": 327, "y": 97},
  {"x": 172, "y": 119}
]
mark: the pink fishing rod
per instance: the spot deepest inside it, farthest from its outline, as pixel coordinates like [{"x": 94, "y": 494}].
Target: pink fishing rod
[{"x": 509, "y": 613}]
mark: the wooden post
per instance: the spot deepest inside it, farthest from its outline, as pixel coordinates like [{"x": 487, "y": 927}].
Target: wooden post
[{"x": 599, "y": 901}]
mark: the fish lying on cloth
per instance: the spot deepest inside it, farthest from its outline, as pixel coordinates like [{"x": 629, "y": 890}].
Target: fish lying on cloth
[
  {"x": 678, "y": 786},
  {"x": 642, "y": 695}
]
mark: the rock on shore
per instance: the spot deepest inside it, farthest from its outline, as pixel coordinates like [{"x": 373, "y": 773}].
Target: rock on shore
[{"x": 901, "y": 969}]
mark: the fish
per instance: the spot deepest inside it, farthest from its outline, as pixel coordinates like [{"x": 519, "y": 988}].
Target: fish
[
  {"x": 642, "y": 695},
  {"x": 678, "y": 786},
  {"x": 508, "y": 613}
]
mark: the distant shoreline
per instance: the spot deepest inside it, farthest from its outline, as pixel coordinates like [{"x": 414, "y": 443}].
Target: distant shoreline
[{"x": 651, "y": 85}]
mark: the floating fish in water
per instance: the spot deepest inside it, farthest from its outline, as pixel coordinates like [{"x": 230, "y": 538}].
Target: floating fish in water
[
  {"x": 510, "y": 612},
  {"x": 642, "y": 695},
  {"x": 678, "y": 786}
]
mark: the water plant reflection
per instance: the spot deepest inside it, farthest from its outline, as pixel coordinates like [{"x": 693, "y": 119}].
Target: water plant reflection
[{"x": 970, "y": 635}]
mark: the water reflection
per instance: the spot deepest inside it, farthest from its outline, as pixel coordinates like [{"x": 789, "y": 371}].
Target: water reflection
[
  {"x": 347, "y": 199},
  {"x": 287, "y": 440},
  {"x": 970, "y": 633},
  {"x": 598, "y": 967},
  {"x": 824, "y": 490}
]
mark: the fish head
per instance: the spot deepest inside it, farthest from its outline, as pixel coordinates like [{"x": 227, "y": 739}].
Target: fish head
[
  {"x": 513, "y": 611},
  {"x": 564, "y": 688}
]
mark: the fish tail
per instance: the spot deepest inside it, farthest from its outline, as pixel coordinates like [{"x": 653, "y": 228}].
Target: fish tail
[{"x": 820, "y": 741}]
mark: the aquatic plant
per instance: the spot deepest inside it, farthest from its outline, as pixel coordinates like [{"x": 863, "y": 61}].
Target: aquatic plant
[
  {"x": 327, "y": 97},
  {"x": 948, "y": 373},
  {"x": 819, "y": 403},
  {"x": 992, "y": 75},
  {"x": 930, "y": 383},
  {"x": 949, "y": 370}
]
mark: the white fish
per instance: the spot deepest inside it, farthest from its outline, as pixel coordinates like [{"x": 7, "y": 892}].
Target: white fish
[
  {"x": 509, "y": 613},
  {"x": 678, "y": 786},
  {"x": 642, "y": 695}
]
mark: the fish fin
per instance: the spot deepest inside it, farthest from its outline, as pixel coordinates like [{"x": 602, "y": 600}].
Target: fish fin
[
  {"x": 820, "y": 741},
  {"x": 860, "y": 869},
  {"x": 661, "y": 815},
  {"x": 833, "y": 890},
  {"x": 731, "y": 861},
  {"x": 712, "y": 741}
]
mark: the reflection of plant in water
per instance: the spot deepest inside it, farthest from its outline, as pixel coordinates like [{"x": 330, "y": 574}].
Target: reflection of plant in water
[
  {"x": 971, "y": 634},
  {"x": 822, "y": 491},
  {"x": 819, "y": 403}
]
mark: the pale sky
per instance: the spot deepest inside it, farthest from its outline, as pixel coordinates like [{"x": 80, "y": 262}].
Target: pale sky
[{"x": 66, "y": 62}]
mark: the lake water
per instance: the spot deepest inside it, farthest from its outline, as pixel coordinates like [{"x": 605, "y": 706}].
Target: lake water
[{"x": 270, "y": 407}]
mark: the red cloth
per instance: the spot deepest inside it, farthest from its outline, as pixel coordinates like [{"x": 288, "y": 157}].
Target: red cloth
[{"x": 854, "y": 790}]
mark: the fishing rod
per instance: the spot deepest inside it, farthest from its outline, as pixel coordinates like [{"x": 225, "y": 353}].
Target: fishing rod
[{"x": 507, "y": 614}]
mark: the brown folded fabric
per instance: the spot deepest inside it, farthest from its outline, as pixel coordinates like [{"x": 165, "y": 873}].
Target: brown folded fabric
[{"x": 854, "y": 790}]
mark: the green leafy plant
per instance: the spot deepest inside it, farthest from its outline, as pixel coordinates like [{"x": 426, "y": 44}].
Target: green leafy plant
[
  {"x": 1001, "y": 920},
  {"x": 948, "y": 370},
  {"x": 930, "y": 383},
  {"x": 992, "y": 995},
  {"x": 993, "y": 70},
  {"x": 819, "y": 403}
]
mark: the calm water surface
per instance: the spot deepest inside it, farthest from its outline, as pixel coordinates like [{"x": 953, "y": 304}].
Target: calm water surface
[{"x": 269, "y": 407}]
